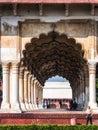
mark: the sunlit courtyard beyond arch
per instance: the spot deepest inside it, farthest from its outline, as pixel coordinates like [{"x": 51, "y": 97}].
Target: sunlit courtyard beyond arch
[
  {"x": 57, "y": 88},
  {"x": 57, "y": 93}
]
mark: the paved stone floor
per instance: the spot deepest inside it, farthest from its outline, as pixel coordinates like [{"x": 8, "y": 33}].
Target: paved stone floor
[{"x": 55, "y": 111}]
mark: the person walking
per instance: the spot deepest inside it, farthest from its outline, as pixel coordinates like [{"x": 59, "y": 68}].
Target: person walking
[{"x": 89, "y": 115}]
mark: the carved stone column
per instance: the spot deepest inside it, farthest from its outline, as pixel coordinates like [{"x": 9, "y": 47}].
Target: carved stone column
[
  {"x": 5, "y": 103},
  {"x": 26, "y": 89},
  {"x": 14, "y": 90},
  {"x": 29, "y": 91},
  {"x": 35, "y": 94},
  {"x": 86, "y": 88},
  {"x": 40, "y": 96},
  {"x": 32, "y": 91},
  {"x": 92, "y": 84},
  {"x": 21, "y": 89},
  {"x": 80, "y": 99}
]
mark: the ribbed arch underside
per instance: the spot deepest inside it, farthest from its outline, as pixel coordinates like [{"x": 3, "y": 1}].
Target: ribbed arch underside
[{"x": 54, "y": 54}]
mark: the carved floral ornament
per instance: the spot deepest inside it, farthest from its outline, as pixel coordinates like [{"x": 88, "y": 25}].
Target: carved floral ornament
[{"x": 48, "y": 56}]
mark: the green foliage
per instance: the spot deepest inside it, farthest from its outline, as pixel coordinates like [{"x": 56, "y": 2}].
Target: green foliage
[
  {"x": 0, "y": 71},
  {"x": 96, "y": 82},
  {"x": 48, "y": 127}
]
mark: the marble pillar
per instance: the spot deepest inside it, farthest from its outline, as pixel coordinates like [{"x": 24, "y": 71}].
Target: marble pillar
[
  {"x": 21, "y": 89},
  {"x": 5, "y": 103},
  {"x": 29, "y": 91},
  {"x": 32, "y": 91},
  {"x": 35, "y": 93},
  {"x": 14, "y": 90},
  {"x": 26, "y": 89},
  {"x": 92, "y": 84}
]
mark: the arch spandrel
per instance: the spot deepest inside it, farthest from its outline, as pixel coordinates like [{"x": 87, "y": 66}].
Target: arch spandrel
[{"x": 54, "y": 54}]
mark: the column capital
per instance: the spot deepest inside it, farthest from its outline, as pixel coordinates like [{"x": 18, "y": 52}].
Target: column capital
[
  {"x": 6, "y": 67},
  {"x": 35, "y": 80},
  {"x": 29, "y": 76},
  {"x": 92, "y": 66},
  {"x": 92, "y": 61},
  {"x": 15, "y": 67},
  {"x": 21, "y": 68},
  {"x": 26, "y": 72},
  {"x": 15, "y": 64},
  {"x": 5, "y": 64},
  {"x": 21, "y": 72}
]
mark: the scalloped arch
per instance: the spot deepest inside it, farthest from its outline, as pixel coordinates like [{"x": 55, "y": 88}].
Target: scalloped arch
[{"x": 54, "y": 54}]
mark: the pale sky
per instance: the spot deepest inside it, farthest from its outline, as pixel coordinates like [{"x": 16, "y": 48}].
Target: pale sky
[{"x": 57, "y": 79}]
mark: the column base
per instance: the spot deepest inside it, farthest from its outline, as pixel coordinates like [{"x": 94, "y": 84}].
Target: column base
[
  {"x": 95, "y": 110},
  {"x": 30, "y": 105},
  {"x": 35, "y": 106},
  {"x": 27, "y": 107},
  {"x": 15, "y": 108},
  {"x": 92, "y": 105},
  {"x": 23, "y": 107},
  {"x": 40, "y": 106},
  {"x": 5, "y": 106}
]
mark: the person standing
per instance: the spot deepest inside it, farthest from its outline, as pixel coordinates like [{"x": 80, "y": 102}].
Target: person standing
[{"x": 89, "y": 115}]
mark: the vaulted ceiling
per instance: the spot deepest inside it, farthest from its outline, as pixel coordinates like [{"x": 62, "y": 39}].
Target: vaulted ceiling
[{"x": 54, "y": 54}]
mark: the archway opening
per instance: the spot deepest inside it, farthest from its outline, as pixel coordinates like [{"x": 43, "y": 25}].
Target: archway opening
[
  {"x": 56, "y": 54},
  {"x": 57, "y": 93}
]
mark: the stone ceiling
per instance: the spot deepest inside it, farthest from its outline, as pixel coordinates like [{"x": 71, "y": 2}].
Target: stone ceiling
[{"x": 54, "y": 54}]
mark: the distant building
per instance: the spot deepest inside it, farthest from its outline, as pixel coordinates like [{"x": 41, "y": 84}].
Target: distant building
[{"x": 57, "y": 90}]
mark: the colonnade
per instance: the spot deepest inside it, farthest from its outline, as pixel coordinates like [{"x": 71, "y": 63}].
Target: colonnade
[
  {"x": 89, "y": 87},
  {"x": 20, "y": 89}
]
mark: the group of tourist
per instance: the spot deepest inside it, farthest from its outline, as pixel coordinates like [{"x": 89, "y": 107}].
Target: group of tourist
[
  {"x": 59, "y": 104},
  {"x": 72, "y": 106},
  {"x": 54, "y": 103}
]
